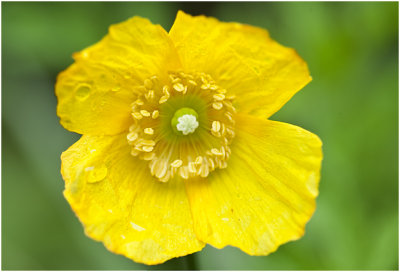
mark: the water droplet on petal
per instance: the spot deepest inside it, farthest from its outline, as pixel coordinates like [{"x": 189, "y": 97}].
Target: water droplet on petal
[
  {"x": 82, "y": 91},
  {"x": 97, "y": 174}
]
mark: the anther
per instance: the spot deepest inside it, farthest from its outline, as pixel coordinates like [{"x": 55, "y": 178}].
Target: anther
[
  {"x": 132, "y": 136},
  {"x": 163, "y": 99},
  {"x": 223, "y": 91},
  {"x": 137, "y": 115},
  {"x": 198, "y": 160},
  {"x": 192, "y": 82},
  {"x": 139, "y": 102},
  {"x": 216, "y": 126},
  {"x": 166, "y": 90},
  {"x": 217, "y": 105},
  {"x": 184, "y": 172},
  {"x": 166, "y": 177},
  {"x": 205, "y": 86},
  {"x": 223, "y": 129},
  {"x": 177, "y": 163},
  {"x": 145, "y": 113},
  {"x": 155, "y": 114},
  {"x": 174, "y": 79},
  {"x": 134, "y": 152},
  {"x": 146, "y": 142},
  {"x": 148, "y": 148},
  {"x": 148, "y": 84},
  {"x": 229, "y": 116},
  {"x": 229, "y": 105},
  {"x": 216, "y": 152},
  {"x": 204, "y": 171},
  {"x": 192, "y": 167},
  {"x": 150, "y": 95},
  {"x": 133, "y": 127},
  {"x": 148, "y": 131},
  {"x": 149, "y": 156},
  {"x": 179, "y": 87},
  {"x": 219, "y": 96}
]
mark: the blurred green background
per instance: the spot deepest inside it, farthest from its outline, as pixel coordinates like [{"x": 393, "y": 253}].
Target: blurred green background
[{"x": 352, "y": 104}]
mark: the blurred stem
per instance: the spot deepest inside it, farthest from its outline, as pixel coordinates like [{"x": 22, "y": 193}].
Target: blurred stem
[{"x": 191, "y": 262}]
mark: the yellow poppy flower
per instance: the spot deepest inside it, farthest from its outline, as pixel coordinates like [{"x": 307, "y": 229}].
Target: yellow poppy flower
[{"x": 177, "y": 151}]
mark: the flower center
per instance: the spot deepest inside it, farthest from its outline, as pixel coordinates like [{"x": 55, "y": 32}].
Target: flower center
[
  {"x": 182, "y": 126},
  {"x": 184, "y": 121}
]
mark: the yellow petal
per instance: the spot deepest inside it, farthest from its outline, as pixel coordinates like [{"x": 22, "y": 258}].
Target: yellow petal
[
  {"x": 266, "y": 194},
  {"x": 120, "y": 204},
  {"x": 94, "y": 93},
  {"x": 262, "y": 74}
]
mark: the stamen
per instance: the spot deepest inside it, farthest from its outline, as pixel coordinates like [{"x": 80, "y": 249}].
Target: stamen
[
  {"x": 198, "y": 160},
  {"x": 149, "y": 156},
  {"x": 163, "y": 99},
  {"x": 132, "y": 136},
  {"x": 217, "y": 105},
  {"x": 149, "y": 131},
  {"x": 148, "y": 84},
  {"x": 216, "y": 126},
  {"x": 166, "y": 90},
  {"x": 139, "y": 102},
  {"x": 145, "y": 113},
  {"x": 219, "y": 97},
  {"x": 155, "y": 114},
  {"x": 148, "y": 148},
  {"x": 192, "y": 167},
  {"x": 170, "y": 150},
  {"x": 179, "y": 87},
  {"x": 192, "y": 82},
  {"x": 150, "y": 95},
  {"x": 216, "y": 152},
  {"x": 177, "y": 163},
  {"x": 137, "y": 115}
]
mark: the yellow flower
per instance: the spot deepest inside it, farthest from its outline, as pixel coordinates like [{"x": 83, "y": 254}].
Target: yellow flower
[{"x": 177, "y": 151}]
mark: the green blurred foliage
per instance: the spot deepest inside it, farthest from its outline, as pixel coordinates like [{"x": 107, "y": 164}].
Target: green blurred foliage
[{"x": 352, "y": 104}]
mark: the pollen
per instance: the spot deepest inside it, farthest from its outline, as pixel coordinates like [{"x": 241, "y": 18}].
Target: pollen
[
  {"x": 155, "y": 114},
  {"x": 149, "y": 131},
  {"x": 137, "y": 115},
  {"x": 217, "y": 105},
  {"x": 177, "y": 163},
  {"x": 145, "y": 113},
  {"x": 179, "y": 87},
  {"x": 216, "y": 126},
  {"x": 190, "y": 128}
]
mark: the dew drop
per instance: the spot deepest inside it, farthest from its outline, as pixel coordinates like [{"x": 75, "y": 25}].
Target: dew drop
[
  {"x": 97, "y": 174},
  {"x": 82, "y": 91}
]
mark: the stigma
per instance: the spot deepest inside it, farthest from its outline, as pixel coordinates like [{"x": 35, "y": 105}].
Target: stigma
[
  {"x": 187, "y": 124},
  {"x": 184, "y": 121}
]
